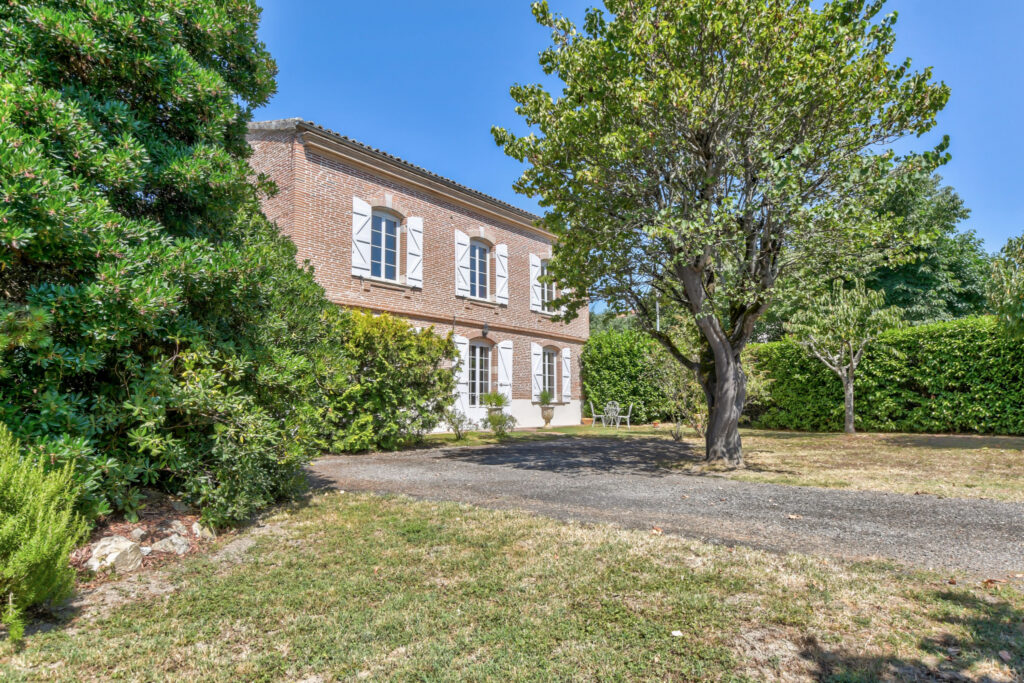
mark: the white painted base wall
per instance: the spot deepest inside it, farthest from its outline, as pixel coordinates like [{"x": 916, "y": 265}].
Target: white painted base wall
[{"x": 527, "y": 413}]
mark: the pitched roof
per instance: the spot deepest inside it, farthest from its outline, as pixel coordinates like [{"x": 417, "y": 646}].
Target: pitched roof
[{"x": 302, "y": 124}]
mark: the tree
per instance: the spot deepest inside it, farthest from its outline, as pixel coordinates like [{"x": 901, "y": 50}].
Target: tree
[
  {"x": 837, "y": 327},
  {"x": 1007, "y": 287},
  {"x": 701, "y": 150},
  {"x": 945, "y": 278},
  {"x": 156, "y": 330}
]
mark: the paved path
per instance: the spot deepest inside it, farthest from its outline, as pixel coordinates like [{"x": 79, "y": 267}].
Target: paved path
[{"x": 627, "y": 483}]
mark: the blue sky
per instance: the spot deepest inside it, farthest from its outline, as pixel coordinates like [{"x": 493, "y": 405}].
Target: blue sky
[{"x": 427, "y": 80}]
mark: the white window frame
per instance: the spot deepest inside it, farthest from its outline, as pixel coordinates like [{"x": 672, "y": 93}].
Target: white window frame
[
  {"x": 479, "y": 269},
  {"x": 379, "y": 227},
  {"x": 549, "y": 364},
  {"x": 479, "y": 373},
  {"x": 547, "y": 290}
]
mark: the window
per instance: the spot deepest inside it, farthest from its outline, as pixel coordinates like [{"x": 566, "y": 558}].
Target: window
[
  {"x": 479, "y": 255},
  {"x": 550, "y": 359},
  {"x": 384, "y": 247},
  {"x": 479, "y": 373},
  {"x": 547, "y": 290}
]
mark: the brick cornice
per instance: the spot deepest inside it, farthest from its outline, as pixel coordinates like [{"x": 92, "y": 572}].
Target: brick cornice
[
  {"x": 466, "y": 322},
  {"x": 378, "y": 164}
]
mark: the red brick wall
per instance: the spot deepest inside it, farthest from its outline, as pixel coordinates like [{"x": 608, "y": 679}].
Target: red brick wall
[{"x": 314, "y": 207}]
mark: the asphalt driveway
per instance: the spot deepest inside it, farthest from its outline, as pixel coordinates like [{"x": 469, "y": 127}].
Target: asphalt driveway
[{"x": 631, "y": 483}]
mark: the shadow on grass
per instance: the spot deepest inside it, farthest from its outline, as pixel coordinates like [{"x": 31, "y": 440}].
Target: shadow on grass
[
  {"x": 953, "y": 441},
  {"x": 991, "y": 628},
  {"x": 585, "y": 454}
]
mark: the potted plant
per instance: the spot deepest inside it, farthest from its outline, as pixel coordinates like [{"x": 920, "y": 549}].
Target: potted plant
[
  {"x": 500, "y": 423},
  {"x": 547, "y": 411},
  {"x": 496, "y": 402}
]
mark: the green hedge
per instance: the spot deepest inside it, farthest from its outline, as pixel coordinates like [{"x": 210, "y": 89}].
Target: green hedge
[
  {"x": 959, "y": 376},
  {"x": 623, "y": 366}
]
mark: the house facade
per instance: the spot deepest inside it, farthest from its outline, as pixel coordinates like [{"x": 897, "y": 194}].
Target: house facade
[{"x": 387, "y": 236}]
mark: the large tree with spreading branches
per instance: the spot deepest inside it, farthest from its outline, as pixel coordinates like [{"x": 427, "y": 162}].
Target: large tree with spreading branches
[{"x": 701, "y": 152}]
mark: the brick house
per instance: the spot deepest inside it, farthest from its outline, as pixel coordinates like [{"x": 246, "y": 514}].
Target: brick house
[{"x": 387, "y": 236}]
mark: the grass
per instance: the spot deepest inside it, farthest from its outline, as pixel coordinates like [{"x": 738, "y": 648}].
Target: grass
[
  {"x": 353, "y": 586},
  {"x": 956, "y": 466}
]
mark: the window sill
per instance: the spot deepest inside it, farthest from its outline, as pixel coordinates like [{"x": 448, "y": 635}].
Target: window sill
[
  {"x": 388, "y": 284},
  {"x": 482, "y": 302}
]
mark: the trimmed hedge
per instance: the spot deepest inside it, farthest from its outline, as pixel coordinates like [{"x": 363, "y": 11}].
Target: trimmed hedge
[
  {"x": 958, "y": 376},
  {"x": 623, "y": 366}
]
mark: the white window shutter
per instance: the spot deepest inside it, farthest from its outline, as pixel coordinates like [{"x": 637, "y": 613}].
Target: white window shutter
[
  {"x": 505, "y": 368},
  {"x": 501, "y": 274},
  {"x": 361, "y": 226},
  {"x": 566, "y": 375},
  {"x": 536, "y": 302},
  {"x": 461, "y": 263},
  {"x": 461, "y": 374},
  {"x": 414, "y": 251},
  {"x": 537, "y": 369}
]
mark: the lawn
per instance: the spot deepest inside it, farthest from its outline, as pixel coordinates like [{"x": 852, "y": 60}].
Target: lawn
[
  {"x": 352, "y": 586},
  {"x": 960, "y": 466}
]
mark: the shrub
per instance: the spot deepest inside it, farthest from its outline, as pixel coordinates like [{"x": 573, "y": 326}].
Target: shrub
[
  {"x": 154, "y": 328},
  {"x": 459, "y": 423},
  {"x": 623, "y": 366},
  {"x": 958, "y": 376},
  {"x": 501, "y": 423},
  {"x": 38, "y": 529},
  {"x": 398, "y": 388}
]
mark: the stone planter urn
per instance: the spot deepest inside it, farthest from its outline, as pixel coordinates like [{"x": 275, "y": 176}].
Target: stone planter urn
[
  {"x": 547, "y": 412},
  {"x": 494, "y": 410}
]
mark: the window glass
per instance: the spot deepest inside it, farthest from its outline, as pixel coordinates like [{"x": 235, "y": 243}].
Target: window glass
[
  {"x": 479, "y": 373},
  {"x": 384, "y": 248},
  {"x": 550, "y": 358},
  {"x": 547, "y": 289},
  {"x": 478, "y": 258}
]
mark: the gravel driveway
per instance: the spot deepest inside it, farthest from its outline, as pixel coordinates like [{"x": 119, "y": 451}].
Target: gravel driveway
[{"x": 630, "y": 483}]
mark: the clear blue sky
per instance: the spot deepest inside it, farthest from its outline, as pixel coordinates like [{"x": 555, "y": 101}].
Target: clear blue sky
[{"x": 427, "y": 80}]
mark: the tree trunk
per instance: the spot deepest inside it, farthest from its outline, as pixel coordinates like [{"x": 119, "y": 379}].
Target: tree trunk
[
  {"x": 848, "y": 390},
  {"x": 726, "y": 389}
]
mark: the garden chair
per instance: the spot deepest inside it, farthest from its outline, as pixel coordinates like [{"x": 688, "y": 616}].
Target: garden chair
[
  {"x": 620, "y": 418},
  {"x": 593, "y": 414}
]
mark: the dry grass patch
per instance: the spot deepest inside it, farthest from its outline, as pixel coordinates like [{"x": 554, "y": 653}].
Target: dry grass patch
[
  {"x": 362, "y": 586},
  {"x": 954, "y": 466}
]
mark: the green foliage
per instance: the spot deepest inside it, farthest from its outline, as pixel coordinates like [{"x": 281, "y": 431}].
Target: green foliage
[
  {"x": 611, "y": 320},
  {"x": 1007, "y": 287},
  {"x": 154, "y": 329},
  {"x": 458, "y": 421},
  {"x": 945, "y": 278},
  {"x": 964, "y": 375},
  {"x": 500, "y": 422},
  {"x": 39, "y": 527},
  {"x": 544, "y": 398},
  {"x": 625, "y": 366},
  {"x": 398, "y": 388},
  {"x": 494, "y": 399},
  {"x": 698, "y": 153}
]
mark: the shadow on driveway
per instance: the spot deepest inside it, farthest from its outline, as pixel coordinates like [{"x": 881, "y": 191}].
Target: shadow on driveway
[{"x": 653, "y": 457}]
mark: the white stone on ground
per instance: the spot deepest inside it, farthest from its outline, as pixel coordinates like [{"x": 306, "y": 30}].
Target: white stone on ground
[
  {"x": 172, "y": 544},
  {"x": 118, "y": 552}
]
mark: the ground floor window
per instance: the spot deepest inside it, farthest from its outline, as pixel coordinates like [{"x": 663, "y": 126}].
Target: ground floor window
[
  {"x": 479, "y": 373},
  {"x": 550, "y": 362}
]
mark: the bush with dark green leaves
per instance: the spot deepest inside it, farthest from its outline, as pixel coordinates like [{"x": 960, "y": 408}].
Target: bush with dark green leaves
[
  {"x": 958, "y": 376},
  {"x": 39, "y": 527},
  {"x": 398, "y": 388},
  {"x": 154, "y": 328},
  {"x": 625, "y": 366}
]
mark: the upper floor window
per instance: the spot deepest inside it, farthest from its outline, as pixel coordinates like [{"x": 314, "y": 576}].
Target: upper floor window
[
  {"x": 384, "y": 247},
  {"x": 479, "y": 373},
  {"x": 550, "y": 363},
  {"x": 479, "y": 257},
  {"x": 547, "y": 290}
]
